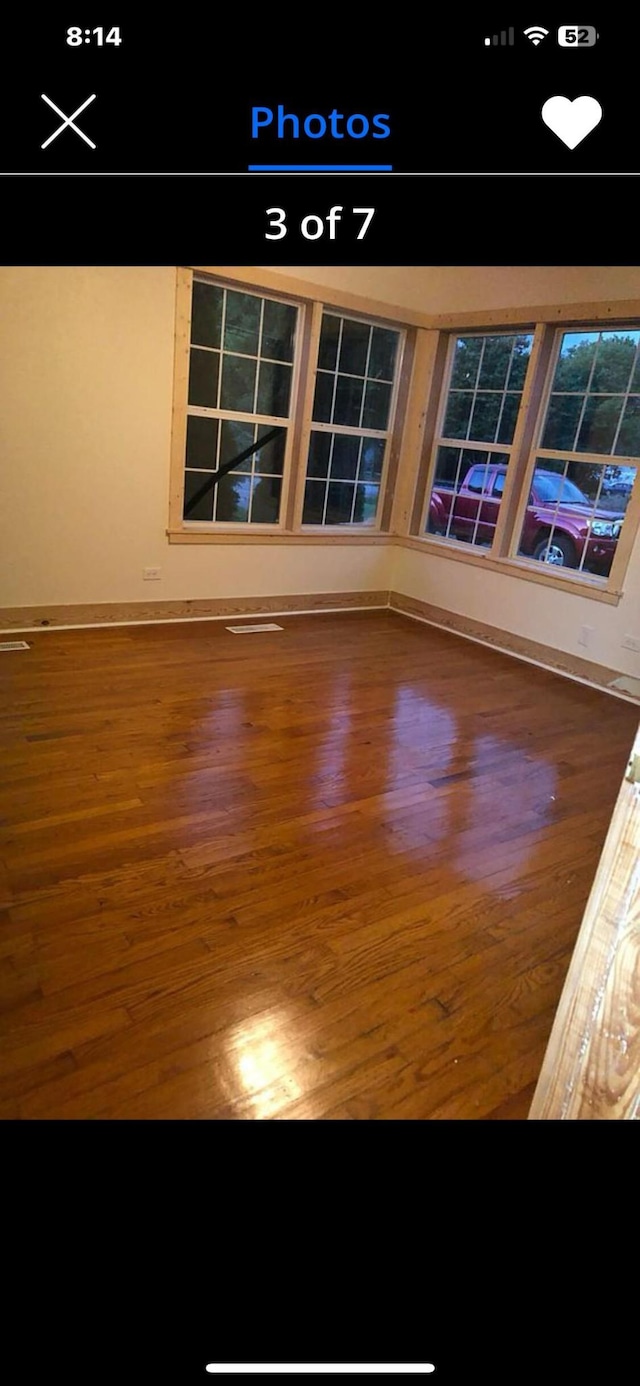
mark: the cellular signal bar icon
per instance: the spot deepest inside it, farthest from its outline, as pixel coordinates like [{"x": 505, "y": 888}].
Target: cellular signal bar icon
[{"x": 501, "y": 39}]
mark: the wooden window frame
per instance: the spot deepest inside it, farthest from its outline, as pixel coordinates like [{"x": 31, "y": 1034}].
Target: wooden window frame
[
  {"x": 289, "y": 527},
  {"x": 502, "y": 556}
]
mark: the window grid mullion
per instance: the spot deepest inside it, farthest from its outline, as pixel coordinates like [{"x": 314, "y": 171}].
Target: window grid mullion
[
  {"x": 504, "y": 390},
  {"x": 366, "y": 374},
  {"x": 591, "y": 520},
  {"x": 475, "y": 388},
  {"x": 625, "y": 400},
  {"x": 586, "y": 393},
  {"x": 335, "y": 376},
  {"x": 223, "y": 326}
]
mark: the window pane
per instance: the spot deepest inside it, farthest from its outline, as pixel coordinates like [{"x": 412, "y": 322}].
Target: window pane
[
  {"x": 206, "y": 314},
  {"x": 495, "y": 363},
  {"x": 348, "y": 401},
  {"x": 366, "y": 505},
  {"x": 484, "y": 419},
  {"x": 202, "y": 442},
  {"x": 265, "y": 508},
  {"x": 599, "y": 424},
  {"x": 354, "y": 347},
  {"x": 628, "y": 443},
  {"x": 238, "y": 384},
  {"x": 319, "y": 449},
  {"x": 377, "y": 403},
  {"x": 382, "y": 357},
  {"x": 198, "y": 496},
  {"x": 203, "y": 378},
  {"x": 242, "y": 323},
  {"x": 562, "y": 422},
  {"x": 314, "y": 493},
  {"x": 235, "y": 438},
  {"x": 507, "y": 425},
  {"x": 339, "y": 503},
  {"x": 466, "y": 362},
  {"x": 323, "y": 397},
  {"x": 614, "y": 362},
  {"x": 269, "y": 460},
  {"x": 575, "y": 515},
  {"x": 278, "y": 330},
  {"x": 465, "y": 500},
  {"x": 458, "y": 413},
  {"x": 519, "y": 363},
  {"x": 233, "y": 498},
  {"x": 577, "y": 355},
  {"x": 344, "y": 461},
  {"x": 371, "y": 459},
  {"x": 329, "y": 334},
  {"x": 274, "y": 389}
]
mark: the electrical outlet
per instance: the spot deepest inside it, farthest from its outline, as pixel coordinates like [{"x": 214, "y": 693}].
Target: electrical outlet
[
  {"x": 151, "y": 574},
  {"x": 584, "y": 635},
  {"x": 632, "y": 642}
]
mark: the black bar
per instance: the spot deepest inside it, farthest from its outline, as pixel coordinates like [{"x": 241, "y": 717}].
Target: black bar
[{"x": 228, "y": 467}]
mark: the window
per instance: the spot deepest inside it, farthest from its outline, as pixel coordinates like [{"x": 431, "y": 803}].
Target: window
[
  {"x": 240, "y": 394},
  {"x": 352, "y": 418},
  {"x": 584, "y": 466},
  {"x": 486, "y": 379},
  {"x": 566, "y": 469},
  {"x": 287, "y": 413}
]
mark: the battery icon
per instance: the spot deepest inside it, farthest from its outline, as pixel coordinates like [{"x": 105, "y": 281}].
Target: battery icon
[{"x": 577, "y": 36}]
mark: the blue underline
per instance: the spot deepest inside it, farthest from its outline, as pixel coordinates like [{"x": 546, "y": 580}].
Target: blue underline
[{"x": 320, "y": 168}]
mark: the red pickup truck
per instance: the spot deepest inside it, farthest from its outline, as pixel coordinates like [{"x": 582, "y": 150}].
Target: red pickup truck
[{"x": 559, "y": 522}]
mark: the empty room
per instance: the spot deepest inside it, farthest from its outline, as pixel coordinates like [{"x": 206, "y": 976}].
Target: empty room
[{"x": 319, "y": 693}]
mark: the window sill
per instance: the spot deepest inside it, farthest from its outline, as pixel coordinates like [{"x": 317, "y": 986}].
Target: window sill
[
  {"x": 511, "y": 567},
  {"x": 337, "y": 536}
]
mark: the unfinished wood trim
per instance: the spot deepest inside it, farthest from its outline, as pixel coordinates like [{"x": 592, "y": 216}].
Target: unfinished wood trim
[
  {"x": 312, "y": 343},
  {"x": 434, "y": 412},
  {"x": 319, "y": 536},
  {"x": 184, "y": 281},
  {"x": 509, "y": 567},
  {"x": 109, "y": 613},
  {"x": 273, "y": 281},
  {"x": 591, "y": 1070},
  {"x": 516, "y": 494},
  {"x": 615, "y": 312},
  {"x": 420, "y": 391},
  {"x": 561, "y": 662},
  {"x": 628, "y": 533},
  {"x": 399, "y": 402}
]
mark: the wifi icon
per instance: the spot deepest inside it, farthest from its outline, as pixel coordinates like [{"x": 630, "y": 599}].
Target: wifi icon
[{"x": 535, "y": 34}]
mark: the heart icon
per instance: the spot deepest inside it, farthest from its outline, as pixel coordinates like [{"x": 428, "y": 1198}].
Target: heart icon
[{"x": 572, "y": 121}]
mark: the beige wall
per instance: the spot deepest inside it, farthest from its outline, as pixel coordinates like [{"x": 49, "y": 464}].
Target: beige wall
[
  {"x": 467, "y": 288},
  {"x": 528, "y": 609},
  {"x": 85, "y": 383},
  {"x": 86, "y": 370}
]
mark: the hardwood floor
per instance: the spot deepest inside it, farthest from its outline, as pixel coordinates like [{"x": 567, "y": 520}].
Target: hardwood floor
[{"x": 332, "y": 872}]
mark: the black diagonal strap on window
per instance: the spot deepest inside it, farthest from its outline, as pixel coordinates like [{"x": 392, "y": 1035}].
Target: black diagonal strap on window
[{"x": 212, "y": 481}]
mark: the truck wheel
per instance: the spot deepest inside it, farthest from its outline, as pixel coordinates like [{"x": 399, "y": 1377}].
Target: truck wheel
[{"x": 557, "y": 550}]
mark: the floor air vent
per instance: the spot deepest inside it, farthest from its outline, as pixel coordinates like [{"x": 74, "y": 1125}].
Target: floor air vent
[
  {"x": 13, "y": 645},
  {"x": 252, "y": 630},
  {"x": 627, "y": 685}
]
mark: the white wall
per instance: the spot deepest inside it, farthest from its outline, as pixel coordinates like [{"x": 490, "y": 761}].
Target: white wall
[{"x": 86, "y": 375}]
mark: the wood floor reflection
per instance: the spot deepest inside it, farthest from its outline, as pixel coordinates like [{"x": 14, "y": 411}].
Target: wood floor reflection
[{"x": 331, "y": 872}]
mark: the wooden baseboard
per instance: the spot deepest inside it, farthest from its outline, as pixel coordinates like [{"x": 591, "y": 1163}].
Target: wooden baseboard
[
  {"x": 25, "y": 618},
  {"x": 572, "y": 666},
  {"x": 119, "y": 613}
]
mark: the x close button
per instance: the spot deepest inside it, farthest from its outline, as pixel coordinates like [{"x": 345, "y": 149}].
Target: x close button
[{"x": 67, "y": 121}]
